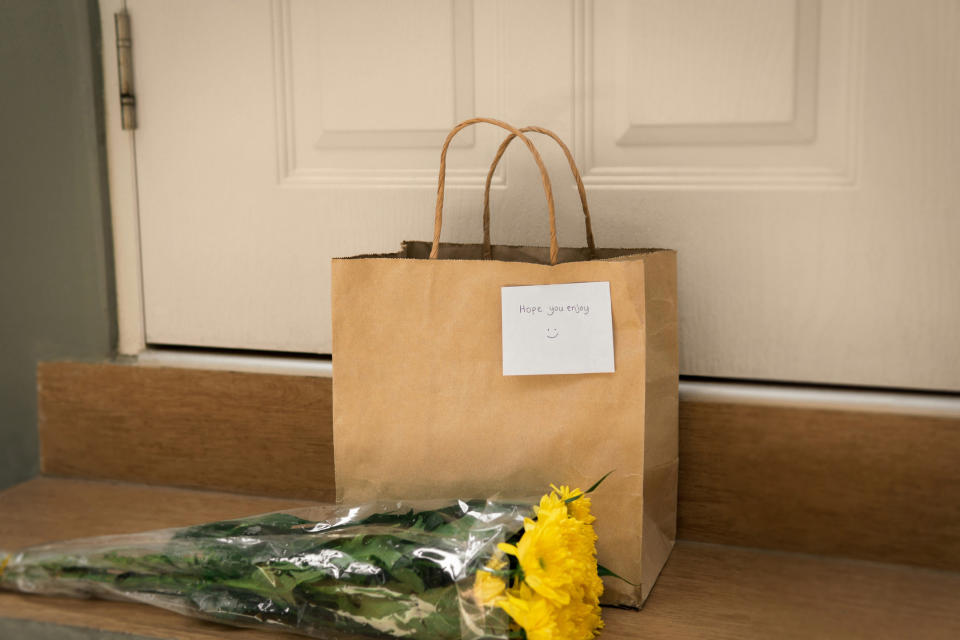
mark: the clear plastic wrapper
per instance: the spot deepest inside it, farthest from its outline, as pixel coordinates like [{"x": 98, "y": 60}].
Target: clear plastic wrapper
[
  {"x": 468, "y": 569},
  {"x": 394, "y": 570}
]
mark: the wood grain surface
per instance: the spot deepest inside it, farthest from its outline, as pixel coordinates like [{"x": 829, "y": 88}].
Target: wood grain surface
[
  {"x": 249, "y": 433},
  {"x": 706, "y": 591},
  {"x": 873, "y": 486},
  {"x": 719, "y": 592},
  {"x": 49, "y": 509}
]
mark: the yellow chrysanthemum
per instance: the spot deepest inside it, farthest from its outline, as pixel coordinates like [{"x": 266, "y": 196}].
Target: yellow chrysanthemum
[
  {"x": 579, "y": 508},
  {"x": 488, "y": 588},
  {"x": 577, "y": 621},
  {"x": 534, "y": 613},
  {"x": 556, "y": 595},
  {"x": 551, "y": 505},
  {"x": 556, "y": 552},
  {"x": 546, "y": 557}
]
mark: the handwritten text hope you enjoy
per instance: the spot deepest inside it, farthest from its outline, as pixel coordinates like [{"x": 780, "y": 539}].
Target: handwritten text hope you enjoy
[{"x": 549, "y": 310}]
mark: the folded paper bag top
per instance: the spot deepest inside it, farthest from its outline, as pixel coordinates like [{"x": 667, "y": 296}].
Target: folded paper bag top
[{"x": 422, "y": 408}]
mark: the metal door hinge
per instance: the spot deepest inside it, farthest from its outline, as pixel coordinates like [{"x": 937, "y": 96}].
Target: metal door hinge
[{"x": 128, "y": 103}]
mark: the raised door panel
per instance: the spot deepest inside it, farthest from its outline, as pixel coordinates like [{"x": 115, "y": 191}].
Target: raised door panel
[
  {"x": 275, "y": 135},
  {"x": 799, "y": 156}
]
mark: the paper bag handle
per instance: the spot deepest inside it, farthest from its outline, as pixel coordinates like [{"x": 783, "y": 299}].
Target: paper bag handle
[
  {"x": 487, "y": 251},
  {"x": 441, "y": 180}
]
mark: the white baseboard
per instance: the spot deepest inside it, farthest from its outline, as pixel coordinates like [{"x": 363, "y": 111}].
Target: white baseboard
[{"x": 808, "y": 397}]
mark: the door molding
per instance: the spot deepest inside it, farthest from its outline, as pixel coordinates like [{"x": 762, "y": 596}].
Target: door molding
[{"x": 122, "y": 177}]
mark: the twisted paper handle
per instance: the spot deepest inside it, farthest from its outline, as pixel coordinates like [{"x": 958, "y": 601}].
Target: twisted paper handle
[
  {"x": 441, "y": 181},
  {"x": 487, "y": 251}
]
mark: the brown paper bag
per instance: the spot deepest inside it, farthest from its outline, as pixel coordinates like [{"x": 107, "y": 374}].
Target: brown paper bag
[{"x": 422, "y": 409}]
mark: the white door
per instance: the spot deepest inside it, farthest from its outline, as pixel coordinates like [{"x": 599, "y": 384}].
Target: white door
[{"x": 802, "y": 156}]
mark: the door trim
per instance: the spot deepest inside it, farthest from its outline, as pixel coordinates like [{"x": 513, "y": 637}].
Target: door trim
[{"x": 122, "y": 177}]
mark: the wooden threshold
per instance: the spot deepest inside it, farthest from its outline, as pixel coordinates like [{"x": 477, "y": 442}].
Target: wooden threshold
[{"x": 705, "y": 591}]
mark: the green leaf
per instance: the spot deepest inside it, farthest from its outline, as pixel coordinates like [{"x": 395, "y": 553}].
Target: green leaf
[
  {"x": 382, "y": 549},
  {"x": 432, "y": 615},
  {"x": 590, "y": 490},
  {"x": 597, "y": 483},
  {"x": 408, "y": 577},
  {"x": 603, "y": 571},
  {"x": 270, "y": 524}
]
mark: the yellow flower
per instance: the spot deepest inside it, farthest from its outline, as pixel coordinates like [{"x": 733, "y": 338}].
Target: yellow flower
[
  {"x": 534, "y": 613},
  {"x": 488, "y": 588},
  {"x": 550, "y": 505},
  {"x": 546, "y": 557},
  {"x": 556, "y": 552},
  {"x": 557, "y": 596},
  {"x": 579, "y": 508},
  {"x": 577, "y": 621}
]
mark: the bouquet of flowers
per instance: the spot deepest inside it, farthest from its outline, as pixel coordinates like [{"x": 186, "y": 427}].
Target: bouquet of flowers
[{"x": 471, "y": 569}]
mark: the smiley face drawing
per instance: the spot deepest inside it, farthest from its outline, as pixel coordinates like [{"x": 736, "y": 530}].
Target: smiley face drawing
[{"x": 552, "y": 333}]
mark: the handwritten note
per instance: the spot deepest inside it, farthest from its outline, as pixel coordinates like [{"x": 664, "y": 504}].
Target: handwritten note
[{"x": 557, "y": 328}]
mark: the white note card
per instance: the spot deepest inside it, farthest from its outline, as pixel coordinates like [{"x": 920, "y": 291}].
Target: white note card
[{"x": 557, "y": 328}]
